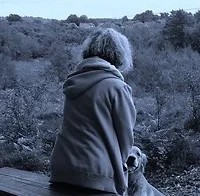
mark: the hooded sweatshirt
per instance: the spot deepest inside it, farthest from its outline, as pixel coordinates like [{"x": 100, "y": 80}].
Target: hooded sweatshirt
[{"x": 92, "y": 148}]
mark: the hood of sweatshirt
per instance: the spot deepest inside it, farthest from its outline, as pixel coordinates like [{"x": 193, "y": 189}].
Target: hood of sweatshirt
[{"x": 90, "y": 72}]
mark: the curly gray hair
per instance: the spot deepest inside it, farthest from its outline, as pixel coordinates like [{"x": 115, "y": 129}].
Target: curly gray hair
[{"x": 111, "y": 46}]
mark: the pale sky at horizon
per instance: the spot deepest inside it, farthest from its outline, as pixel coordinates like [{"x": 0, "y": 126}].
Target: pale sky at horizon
[{"x": 61, "y": 9}]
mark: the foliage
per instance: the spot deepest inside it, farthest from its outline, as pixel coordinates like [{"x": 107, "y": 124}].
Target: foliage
[
  {"x": 146, "y": 16},
  {"x": 193, "y": 36},
  {"x": 179, "y": 183},
  {"x": 165, "y": 82},
  {"x": 7, "y": 73},
  {"x": 197, "y": 16},
  {"x": 20, "y": 121},
  {"x": 83, "y": 19},
  {"x": 164, "y": 15},
  {"x": 14, "y": 18},
  {"x": 124, "y": 19},
  {"x": 73, "y": 18},
  {"x": 169, "y": 148},
  {"x": 161, "y": 99},
  {"x": 182, "y": 152},
  {"x": 174, "y": 28},
  {"x": 26, "y": 160},
  {"x": 27, "y": 133},
  {"x": 61, "y": 60},
  {"x": 17, "y": 45},
  {"x": 145, "y": 36},
  {"x": 186, "y": 79}
]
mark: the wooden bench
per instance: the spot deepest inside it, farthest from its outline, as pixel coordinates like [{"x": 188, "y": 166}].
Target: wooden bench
[{"x": 24, "y": 183}]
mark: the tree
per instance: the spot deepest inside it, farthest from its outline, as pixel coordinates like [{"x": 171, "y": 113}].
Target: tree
[
  {"x": 83, "y": 19},
  {"x": 197, "y": 16},
  {"x": 73, "y": 18},
  {"x": 164, "y": 15},
  {"x": 174, "y": 28},
  {"x": 14, "y": 18},
  {"x": 160, "y": 101},
  {"x": 193, "y": 36},
  {"x": 124, "y": 19},
  {"x": 146, "y": 16}
]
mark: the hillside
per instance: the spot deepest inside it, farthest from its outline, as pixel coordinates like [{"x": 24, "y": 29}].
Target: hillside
[
  {"x": 186, "y": 183},
  {"x": 36, "y": 55}
]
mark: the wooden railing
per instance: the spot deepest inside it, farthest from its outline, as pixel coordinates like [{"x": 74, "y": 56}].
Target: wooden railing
[{"x": 24, "y": 183}]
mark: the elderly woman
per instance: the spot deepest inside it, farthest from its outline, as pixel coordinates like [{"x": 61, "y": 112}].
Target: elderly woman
[{"x": 92, "y": 148}]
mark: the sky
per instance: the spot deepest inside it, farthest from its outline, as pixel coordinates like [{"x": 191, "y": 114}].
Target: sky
[{"x": 61, "y": 9}]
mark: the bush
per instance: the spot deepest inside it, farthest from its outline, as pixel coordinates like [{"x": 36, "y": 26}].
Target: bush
[
  {"x": 146, "y": 16},
  {"x": 193, "y": 124},
  {"x": 73, "y": 18},
  {"x": 182, "y": 153},
  {"x": 7, "y": 73},
  {"x": 21, "y": 111},
  {"x": 170, "y": 150},
  {"x": 14, "y": 18},
  {"x": 61, "y": 61},
  {"x": 155, "y": 151},
  {"x": 26, "y": 160}
]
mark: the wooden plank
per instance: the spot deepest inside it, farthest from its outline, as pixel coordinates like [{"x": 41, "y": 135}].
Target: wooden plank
[
  {"x": 23, "y": 183},
  {"x": 19, "y": 187},
  {"x": 14, "y": 182},
  {"x": 26, "y": 175}
]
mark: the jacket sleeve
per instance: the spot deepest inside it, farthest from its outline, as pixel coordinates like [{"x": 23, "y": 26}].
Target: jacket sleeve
[{"x": 124, "y": 117}]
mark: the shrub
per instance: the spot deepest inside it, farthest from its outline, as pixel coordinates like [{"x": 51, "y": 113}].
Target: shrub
[
  {"x": 73, "y": 18},
  {"x": 171, "y": 150},
  {"x": 193, "y": 123},
  {"x": 61, "y": 61},
  {"x": 146, "y": 16},
  {"x": 7, "y": 73},
  {"x": 26, "y": 160},
  {"x": 21, "y": 111},
  {"x": 182, "y": 153},
  {"x": 14, "y": 18}
]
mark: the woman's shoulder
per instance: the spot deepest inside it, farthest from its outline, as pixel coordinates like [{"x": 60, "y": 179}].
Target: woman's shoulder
[
  {"x": 114, "y": 85},
  {"x": 116, "y": 82}
]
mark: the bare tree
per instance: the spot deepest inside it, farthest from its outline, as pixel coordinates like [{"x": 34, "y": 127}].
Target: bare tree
[{"x": 160, "y": 102}]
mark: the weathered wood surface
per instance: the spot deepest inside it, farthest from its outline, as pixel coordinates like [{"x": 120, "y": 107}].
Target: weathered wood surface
[{"x": 23, "y": 183}]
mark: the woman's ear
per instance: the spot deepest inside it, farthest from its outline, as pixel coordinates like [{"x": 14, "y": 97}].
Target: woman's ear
[{"x": 144, "y": 162}]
